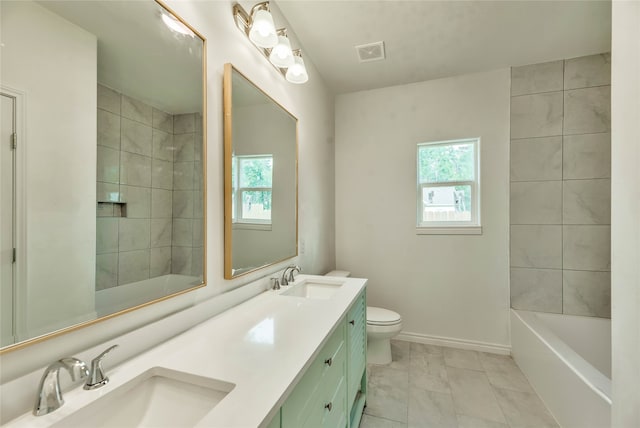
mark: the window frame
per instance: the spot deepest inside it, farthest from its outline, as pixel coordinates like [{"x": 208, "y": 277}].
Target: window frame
[
  {"x": 472, "y": 226},
  {"x": 237, "y": 218}
]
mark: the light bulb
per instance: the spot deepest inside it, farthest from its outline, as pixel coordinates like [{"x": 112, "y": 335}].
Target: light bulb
[
  {"x": 297, "y": 73},
  {"x": 281, "y": 55},
  {"x": 263, "y": 31}
]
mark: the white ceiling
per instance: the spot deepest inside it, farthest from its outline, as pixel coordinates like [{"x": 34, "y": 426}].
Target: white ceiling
[{"x": 432, "y": 39}]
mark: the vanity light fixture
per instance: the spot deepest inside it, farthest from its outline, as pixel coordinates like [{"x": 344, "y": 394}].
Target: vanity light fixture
[{"x": 274, "y": 44}]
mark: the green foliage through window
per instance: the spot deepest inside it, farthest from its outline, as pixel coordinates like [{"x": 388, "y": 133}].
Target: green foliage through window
[
  {"x": 444, "y": 163},
  {"x": 252, "y": 178},
  {"x": 256, "y": 171}
]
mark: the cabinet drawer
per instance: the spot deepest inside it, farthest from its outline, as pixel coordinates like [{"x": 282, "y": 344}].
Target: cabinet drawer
[
  {"x": 337, "y": 416},
  {"x": 333, "y": 374},
  {"x": 328, "y": 365},
  {"x": 318, "y": 409},
  {"x": 332, "y": 351}
]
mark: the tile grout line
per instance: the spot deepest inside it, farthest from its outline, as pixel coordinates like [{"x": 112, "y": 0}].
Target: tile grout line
[
  {"x": 562, "y": 180},
  {"x": 564, "y": 94},
  {"x": 559, "y": 90},
  {"x": 560, "y": 224},
  {"x": 540, "y": 137},
  {"x": 559, "y": 269}
]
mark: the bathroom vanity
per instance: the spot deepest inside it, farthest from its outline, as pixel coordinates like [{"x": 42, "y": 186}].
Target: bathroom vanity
[{"x": 294, "y": 357}]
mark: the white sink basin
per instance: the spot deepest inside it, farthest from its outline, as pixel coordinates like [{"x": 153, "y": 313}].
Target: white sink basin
[
  {"x": 157, "y": 398},
  {"x": 314, "y": 289}
]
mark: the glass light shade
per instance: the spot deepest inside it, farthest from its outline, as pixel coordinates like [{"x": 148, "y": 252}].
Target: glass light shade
[
  {"x": 297, "y": 73},
  {"x": 263, "y": 31},
  {"x": 281, "y": 55}
]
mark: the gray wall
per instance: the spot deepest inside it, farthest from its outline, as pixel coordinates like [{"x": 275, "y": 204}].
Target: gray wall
[
  {"x": 430, "y": 280},
  {"x": 561, "y": 187}
]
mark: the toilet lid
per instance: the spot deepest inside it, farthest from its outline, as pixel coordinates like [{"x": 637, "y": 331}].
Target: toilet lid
[{"x": 380, "y": 316}]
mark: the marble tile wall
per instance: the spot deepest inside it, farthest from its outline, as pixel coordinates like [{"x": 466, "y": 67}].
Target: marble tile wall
[
  {"x": 560, "y": 205},
  {"x": 188, "y": 243},
  {"x": 141, "y": 163}
]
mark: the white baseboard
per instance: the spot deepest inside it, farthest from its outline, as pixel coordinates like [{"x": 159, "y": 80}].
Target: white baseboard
[{"x": 451, "y": 342}]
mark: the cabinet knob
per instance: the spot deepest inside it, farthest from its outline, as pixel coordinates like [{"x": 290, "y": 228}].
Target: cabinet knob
[
  {"x": 328, "y": 362},
  {"x": 352, "y": 322},
  {"x": 328, "y": 406}
]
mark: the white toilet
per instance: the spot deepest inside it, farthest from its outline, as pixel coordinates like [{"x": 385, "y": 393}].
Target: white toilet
[{"x": 382, "y": 325}]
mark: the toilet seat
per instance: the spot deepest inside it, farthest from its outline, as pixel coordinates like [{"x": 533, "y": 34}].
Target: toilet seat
[{"x": 382, "y": 317}]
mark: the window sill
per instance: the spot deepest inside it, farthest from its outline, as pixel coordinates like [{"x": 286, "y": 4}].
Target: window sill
[
  {"x": 252, "y": 226},
  {"x": 449, "y": 230}
]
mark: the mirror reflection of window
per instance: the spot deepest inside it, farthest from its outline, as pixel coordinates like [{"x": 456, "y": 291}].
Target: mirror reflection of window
[{"x": 252, "y": 188}]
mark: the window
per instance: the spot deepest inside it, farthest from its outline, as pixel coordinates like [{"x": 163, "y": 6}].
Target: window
[
  {"x": 251, "y": 183},
  {"x": 448, "y": 192}
]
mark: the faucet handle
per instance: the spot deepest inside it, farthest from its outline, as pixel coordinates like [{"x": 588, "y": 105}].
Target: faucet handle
[
  {"x": 276, "y": 283},
  {"x": 96, "y": 376}
]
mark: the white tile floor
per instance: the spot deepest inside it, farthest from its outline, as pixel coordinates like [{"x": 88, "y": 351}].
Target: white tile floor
[{"x": 431, "y": 386}]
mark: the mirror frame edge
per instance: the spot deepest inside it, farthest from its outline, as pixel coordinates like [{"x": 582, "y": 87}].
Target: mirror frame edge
[
  {"x": 228, "y": 142},
  {"x": 72, "y": 328}
]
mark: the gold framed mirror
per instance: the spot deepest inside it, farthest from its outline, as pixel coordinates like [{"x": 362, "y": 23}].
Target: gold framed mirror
[
  {"x": 260, "y": 178},
  {"x": 107, "y": 104}
]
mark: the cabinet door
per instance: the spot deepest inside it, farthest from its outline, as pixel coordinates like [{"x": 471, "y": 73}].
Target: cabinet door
[{"x": 357, "y": 346}]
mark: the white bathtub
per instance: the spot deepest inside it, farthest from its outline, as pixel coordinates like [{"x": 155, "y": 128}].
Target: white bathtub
[
  {"x": 567, "y": 360},
  {"x": 111, "y": 300}
]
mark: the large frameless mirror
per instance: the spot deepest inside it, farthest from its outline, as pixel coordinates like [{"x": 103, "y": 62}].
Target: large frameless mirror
[
  {"x": 103, "y": 191},
  {"x": 260, "y": 197}
]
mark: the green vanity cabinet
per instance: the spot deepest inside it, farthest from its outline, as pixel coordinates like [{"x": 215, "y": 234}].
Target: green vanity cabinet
[
  {"x": 332, "y": 392},
  {"x": 275, "y": 422},
  {"x": 356, "y": 359}
]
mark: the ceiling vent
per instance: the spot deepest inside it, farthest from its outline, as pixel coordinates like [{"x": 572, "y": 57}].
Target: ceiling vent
[{"x": 370, "y": 52}]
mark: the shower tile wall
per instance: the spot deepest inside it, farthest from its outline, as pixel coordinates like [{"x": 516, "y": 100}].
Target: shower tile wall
[
  {"x": 561, "y": 186},
  {"x": 137, "y": 151},
  {"x": 187, "y": 246}
]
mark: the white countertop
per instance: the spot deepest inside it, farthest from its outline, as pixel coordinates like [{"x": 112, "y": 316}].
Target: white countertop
[{"x": 262, "y": 346}]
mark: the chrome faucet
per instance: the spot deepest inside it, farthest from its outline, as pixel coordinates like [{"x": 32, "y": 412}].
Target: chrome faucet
[
  {"x": 96, "y": 376},
  {"x": 49, "y": 395},
  {"x": 287, "y": 279}
]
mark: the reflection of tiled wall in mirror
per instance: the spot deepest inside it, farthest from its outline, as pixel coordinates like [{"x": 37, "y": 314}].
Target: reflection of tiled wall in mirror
[
  {"x": 149, "y": 181},
  {"x": 187, "y": 243}
]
